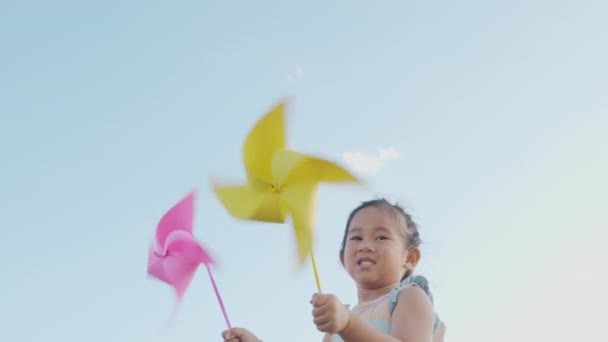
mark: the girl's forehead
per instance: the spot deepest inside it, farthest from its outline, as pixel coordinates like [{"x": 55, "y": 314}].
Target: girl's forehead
[
  {"x": 371, "y": 230},
  {"x": 370, "y": 213},
  {"x": 372, "y": 217}
]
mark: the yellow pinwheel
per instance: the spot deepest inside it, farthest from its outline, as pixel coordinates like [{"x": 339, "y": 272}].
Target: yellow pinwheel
[{"x": 280, "y": 182}]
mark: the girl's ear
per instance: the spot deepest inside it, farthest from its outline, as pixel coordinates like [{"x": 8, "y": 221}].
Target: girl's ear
[{"x": 412, "y": 258}]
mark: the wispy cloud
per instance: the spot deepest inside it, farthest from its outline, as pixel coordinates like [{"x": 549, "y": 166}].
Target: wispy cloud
[
  {"x": 297, "y": 74},
  {"x": 370, "y": 163}
]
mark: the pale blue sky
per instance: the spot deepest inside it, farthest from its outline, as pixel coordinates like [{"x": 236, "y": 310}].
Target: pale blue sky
[{"x": 111, "y": 111}]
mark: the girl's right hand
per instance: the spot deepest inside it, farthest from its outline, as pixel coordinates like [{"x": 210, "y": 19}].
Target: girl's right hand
[{"x": 239, "y": 335}]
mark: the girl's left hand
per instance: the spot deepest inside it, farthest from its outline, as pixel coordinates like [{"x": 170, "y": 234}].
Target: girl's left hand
[{"x": 329, "y": 314}]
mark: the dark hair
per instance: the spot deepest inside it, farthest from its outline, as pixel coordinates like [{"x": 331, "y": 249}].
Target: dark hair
[{"x": 403, "y": 219}]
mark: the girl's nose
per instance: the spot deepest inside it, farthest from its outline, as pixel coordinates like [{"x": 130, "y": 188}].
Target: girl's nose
[{"x": 365, "y": 247}]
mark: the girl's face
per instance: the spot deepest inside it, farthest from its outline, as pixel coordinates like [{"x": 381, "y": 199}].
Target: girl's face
[{"x": 375, "y": 253}]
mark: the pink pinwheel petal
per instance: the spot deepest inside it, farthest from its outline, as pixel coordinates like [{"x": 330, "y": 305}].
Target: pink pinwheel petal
[
  {"x": 175, "y": 270},
  {"x": 179, "y": 217},
  {"x": 175, "y": 255},
  {"x": 183, "y": 244},
  {"x": 155, "y": 265}
]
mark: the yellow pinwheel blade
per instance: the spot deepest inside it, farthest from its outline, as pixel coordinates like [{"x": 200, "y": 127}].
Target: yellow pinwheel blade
[
  {"x": 291, "y": 167},
  {"x": 301, "y": 201},
  {"x": 245, "y": 203},
  {"x": 264, "y": 139}
]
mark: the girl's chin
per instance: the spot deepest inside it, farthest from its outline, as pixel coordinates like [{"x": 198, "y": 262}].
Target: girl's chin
[
  {"x": 369, "y": 281},
  {"x": 366, "y": 279}
]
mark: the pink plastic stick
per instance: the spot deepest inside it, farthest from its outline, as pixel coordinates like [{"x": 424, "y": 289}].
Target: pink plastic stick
[{"x": 219, "y": 298}]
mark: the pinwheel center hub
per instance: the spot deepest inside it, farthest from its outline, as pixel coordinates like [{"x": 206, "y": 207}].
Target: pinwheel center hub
[{"x": 274, "y": 188}]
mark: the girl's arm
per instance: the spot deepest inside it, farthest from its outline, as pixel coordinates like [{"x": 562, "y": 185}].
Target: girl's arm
[
  {"x": 412, "y": 321},
  {"x": 413, "y": 317}
]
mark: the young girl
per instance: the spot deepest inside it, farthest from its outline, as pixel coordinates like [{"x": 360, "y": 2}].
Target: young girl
[{"x": 380, "y": 250}]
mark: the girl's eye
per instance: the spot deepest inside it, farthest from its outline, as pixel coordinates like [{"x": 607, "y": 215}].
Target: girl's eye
[
  {"x": 382, "y": 237},
  {"x": 355, "y": 238}
]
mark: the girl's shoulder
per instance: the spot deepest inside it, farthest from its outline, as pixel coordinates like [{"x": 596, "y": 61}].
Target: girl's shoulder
[{"x": 415, "y": 280}]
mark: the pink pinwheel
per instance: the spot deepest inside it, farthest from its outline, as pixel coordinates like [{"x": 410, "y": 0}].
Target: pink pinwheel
[{"x": 175, "y": 254}]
